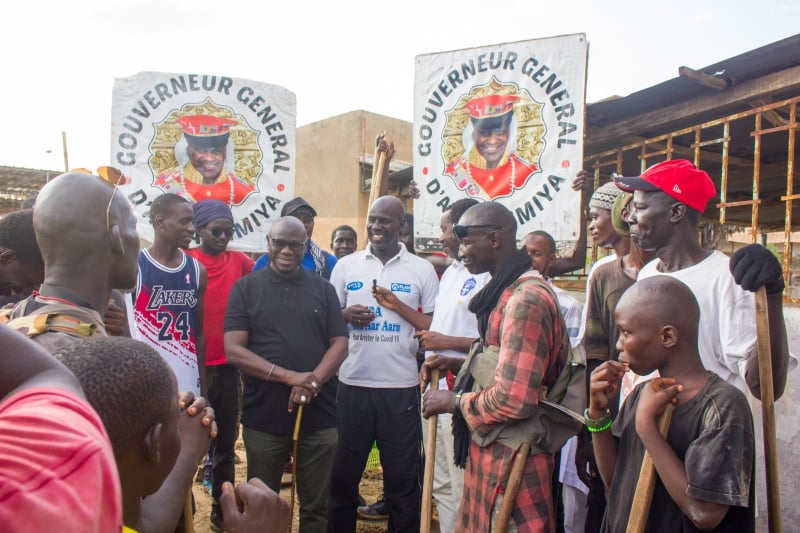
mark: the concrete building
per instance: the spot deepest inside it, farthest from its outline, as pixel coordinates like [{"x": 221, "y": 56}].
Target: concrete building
[{"x": 334, "y": 168}]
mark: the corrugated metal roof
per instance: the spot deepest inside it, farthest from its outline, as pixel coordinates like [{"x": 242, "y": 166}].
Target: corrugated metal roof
[
  {"x": 16, "y": 184},
  {"x": 754, "y": 79},
  {"x": 750, "y": 65}
]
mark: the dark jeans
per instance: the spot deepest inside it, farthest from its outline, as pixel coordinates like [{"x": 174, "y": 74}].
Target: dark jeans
[
  {"x": 392, "y": 418},
  {"x": 223, "y": 395}
]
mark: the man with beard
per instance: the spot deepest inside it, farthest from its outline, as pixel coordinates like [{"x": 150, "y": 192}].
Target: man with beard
[
  {"x": 668, "y": 201},
  {"x": 519, "y": 318}
]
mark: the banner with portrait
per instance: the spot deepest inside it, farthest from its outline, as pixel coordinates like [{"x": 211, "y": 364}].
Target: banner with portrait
[
  {"x": 501, "y": 123},
  {"x": 206, "y": 136}
]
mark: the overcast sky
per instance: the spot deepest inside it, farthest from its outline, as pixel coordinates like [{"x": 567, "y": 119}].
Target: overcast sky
[{"x": 59, "y": 59}]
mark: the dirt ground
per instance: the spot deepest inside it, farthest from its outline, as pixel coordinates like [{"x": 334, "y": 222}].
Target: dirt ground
[{"x": 371, "y": 489}]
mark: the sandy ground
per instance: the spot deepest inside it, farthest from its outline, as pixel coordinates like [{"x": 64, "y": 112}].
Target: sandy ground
[{"x": 371, "y": 488}]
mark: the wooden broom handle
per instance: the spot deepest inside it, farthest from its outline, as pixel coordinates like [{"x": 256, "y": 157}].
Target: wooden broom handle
[
  {"x": 643, "y": 497},
  {"x": 768, "y": 413},
  {"x": 512, "y": 487},
  {"x": 430, "y": 462}
]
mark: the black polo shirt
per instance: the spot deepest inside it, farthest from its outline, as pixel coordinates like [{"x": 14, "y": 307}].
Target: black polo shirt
[{"x": 289, "y": 321}]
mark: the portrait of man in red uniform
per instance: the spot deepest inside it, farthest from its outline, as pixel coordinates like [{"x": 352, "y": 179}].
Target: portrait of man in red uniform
[
  {"x": 201, "y": 173},
  {"x": 489, "y": 169}
]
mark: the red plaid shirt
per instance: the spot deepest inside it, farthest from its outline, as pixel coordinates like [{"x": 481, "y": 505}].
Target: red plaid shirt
[{"x": 526, "y": 325}]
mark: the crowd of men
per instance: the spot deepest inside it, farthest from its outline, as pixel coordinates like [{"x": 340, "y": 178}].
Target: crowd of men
[{"x": 316, "y": 355}]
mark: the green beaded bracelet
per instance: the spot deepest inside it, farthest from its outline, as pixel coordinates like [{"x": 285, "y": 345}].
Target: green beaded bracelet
[
  {"x": 595, "y": 425},
  {"x": 601, "y": 428}
]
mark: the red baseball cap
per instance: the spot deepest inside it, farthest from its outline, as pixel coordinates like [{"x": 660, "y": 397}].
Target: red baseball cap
[{"x": 678, "y": 178}]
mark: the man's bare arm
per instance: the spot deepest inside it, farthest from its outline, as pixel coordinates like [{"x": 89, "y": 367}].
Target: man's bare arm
[
  {"x": 30, "y": 367},
  {"x": 389, "y": 300},
  {"x": 200, "y": 337},
  {"x": 583, "y": 182}
]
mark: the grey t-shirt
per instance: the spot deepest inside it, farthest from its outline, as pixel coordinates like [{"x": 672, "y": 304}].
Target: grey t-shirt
[{"x": 713, "y": 435}]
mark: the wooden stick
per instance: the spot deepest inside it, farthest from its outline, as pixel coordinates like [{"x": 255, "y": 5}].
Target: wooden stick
[
  {"x": 430, "y": 462},
  {"x": 188, "y": 516},
  {"x": 643, "y": 497},
  {"x": 768, "y": 413},
  {"x": 295, "y": 438},
  {"x": 378, "y": 164},
  {"x": 512, "y": 487}
]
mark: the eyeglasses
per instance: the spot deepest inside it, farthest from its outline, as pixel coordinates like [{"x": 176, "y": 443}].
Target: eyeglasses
[
  {"x": 462, "y": 231},
  {"x": 108, "y": 209},
  {"x": 216, "y": 232},
  {"x": 295, "y": 246}
]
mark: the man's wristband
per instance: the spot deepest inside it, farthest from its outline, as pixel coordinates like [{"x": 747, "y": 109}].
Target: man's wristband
[
  {"x": 596, "y": 425},
  {"x": 458, "y": 403}
]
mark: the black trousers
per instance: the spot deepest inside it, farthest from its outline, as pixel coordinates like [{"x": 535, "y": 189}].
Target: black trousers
[
  {"x": 223, "y": 395},
  {"x": 392, "y": 418}
]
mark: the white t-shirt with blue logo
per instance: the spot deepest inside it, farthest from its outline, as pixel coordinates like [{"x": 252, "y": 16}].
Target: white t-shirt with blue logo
[
  {"x": 383, "y": 354},
  {"x": 452, "y": 316}
]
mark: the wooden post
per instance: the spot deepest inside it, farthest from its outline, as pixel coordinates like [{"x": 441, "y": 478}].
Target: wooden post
[
  {"x": 430, "y": 462},
  {"x": 643, "y": 497},
  {"x": 188, "y": 516},
  {"x": 295, "y": 439},
  {"x": 64, "y": 144},
  {"x": 512, "y": 487},
  {"x": 768, "y": 413},
  {"x": 378, "y": 164}
]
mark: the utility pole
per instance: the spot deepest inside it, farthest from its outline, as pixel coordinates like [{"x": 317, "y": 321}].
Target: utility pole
[{"x": 64, "y": 144}]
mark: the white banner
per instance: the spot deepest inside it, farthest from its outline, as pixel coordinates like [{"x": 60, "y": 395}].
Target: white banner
[
  {"x": 501, "y": 123},
  {"x": 251, "y": 168}
]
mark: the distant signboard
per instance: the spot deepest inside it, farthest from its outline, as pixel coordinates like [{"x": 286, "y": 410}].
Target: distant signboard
[
  {"x": 501, "y": 123},
  {"x": 206, "y": 136}
]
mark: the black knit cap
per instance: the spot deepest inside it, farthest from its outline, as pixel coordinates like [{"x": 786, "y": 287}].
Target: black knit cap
[{"x": 297, "y": 205}]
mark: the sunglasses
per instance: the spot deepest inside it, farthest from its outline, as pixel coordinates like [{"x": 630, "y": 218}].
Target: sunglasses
[
  {"x": 216, "y": 232},
  {"x": 108, "y": 209},
  {"x": 295, "y": 246},
  {"x": 462, "y": 231}
]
